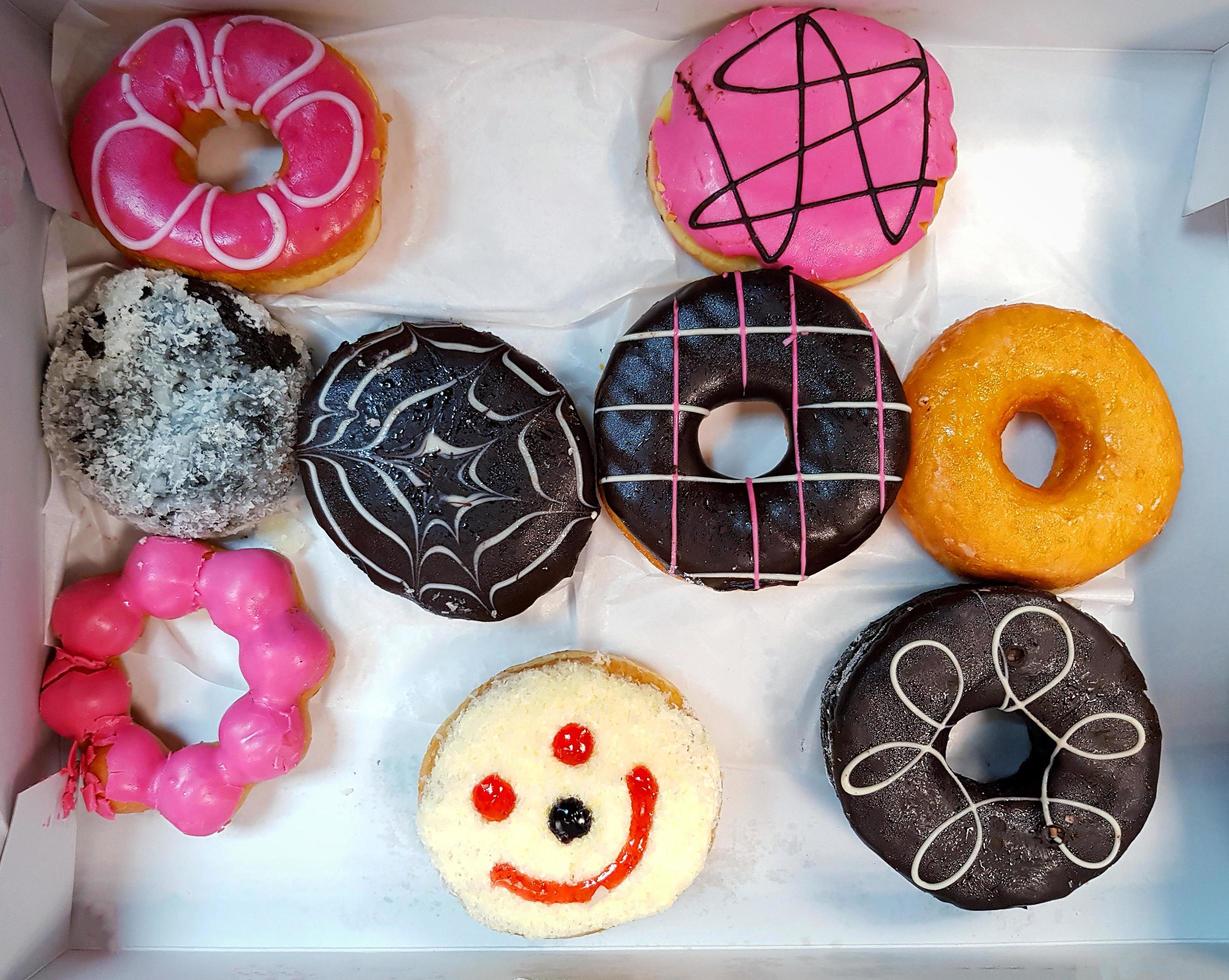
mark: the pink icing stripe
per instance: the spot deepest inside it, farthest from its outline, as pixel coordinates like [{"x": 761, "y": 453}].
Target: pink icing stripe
[
  {"x": 283, "y": 655},
  {"x": 883, "y": 483},
  {"x": 742, "y": 324},
  {"x": 755, "y": 534},
  {"x": 802, "y": 512},
  {"x": 674, "y": 475}
]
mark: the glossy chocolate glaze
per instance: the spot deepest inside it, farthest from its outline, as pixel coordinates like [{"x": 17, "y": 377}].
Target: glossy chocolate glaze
[
  {"x": 705, "y": 529},
  {"x": 1021, "y": 859},
  {"x": 449, "y": 467}
]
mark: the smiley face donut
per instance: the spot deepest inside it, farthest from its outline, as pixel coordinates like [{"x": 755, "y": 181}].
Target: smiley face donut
[
  {"x": 136, "y": 133},
  {"x": 802, "y": 138},
  {"x": 569, "y": 794},
  {"x": 121, "y": 766},
  {"x": 1117, "y": 466},
  {"x": 1073, "y": 807},
  {"x": 768, "y": 335}
]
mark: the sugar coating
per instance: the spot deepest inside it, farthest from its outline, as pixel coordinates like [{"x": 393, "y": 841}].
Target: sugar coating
[
  {"x": 172, "y": 402},
  {"x": 508, "y": 730}
]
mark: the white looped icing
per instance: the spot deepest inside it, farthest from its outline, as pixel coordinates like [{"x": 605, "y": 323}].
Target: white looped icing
[
  {"x": 211, "y": 71},
  {"x": 1011, "y": 702}
]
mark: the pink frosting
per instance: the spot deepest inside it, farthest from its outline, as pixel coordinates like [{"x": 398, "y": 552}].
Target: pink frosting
[
  {"x": 871, "y": 110},
  {"x": 283, "y": 654},
  {"x": 126, "y": 144}
]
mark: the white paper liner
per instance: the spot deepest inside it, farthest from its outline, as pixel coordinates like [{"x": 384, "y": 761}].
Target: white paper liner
[{"x": 514, "y": 201}]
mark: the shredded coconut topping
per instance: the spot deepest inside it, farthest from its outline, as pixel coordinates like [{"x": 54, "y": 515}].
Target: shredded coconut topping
[{"x": 172, "y": 401}]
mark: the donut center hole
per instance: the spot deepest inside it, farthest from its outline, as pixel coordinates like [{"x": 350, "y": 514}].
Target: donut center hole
[
  {"x": 744, "y": 438},
  {"x": 988, "y": 745},
  {"x": 239, "y": 155},
  {"x": 1029, "y": 445}
]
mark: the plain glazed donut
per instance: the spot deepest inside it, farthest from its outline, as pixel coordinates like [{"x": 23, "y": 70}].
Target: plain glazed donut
[
  {"x": 795, "y": 137},
  {"x": 1116, "y": 469},
  {"x": 1068, "y": 813},
  {"x": 135, "y": 138},
  {"x": 569, "y": 794},
  {"x": 121, "y": 766},
  {"x": 766, "y": 335}
]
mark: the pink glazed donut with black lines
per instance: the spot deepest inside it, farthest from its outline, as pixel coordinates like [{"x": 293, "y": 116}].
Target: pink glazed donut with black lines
[
  {"x": 136, "y": 134},
  {"x": 121, "y": 766},
  {"x": 767, "y": 335}
]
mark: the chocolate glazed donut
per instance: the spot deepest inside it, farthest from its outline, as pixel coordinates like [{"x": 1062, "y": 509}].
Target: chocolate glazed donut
[
  {"x": 763, "y": 335},
  {"x": 449, "y": 467},
  {"x": 1076, "y": 803}
]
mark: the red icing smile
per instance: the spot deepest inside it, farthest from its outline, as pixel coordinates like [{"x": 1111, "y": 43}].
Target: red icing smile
[{"x": 642, "y": 789}]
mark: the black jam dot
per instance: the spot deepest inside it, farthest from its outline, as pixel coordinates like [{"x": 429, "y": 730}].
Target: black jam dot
[{"x": 569, "y": 819}]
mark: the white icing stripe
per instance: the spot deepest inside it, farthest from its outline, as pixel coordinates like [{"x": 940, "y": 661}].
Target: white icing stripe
[
  {"x": 216, "y": 98},
  {"x": 888, "y": 406},
  {"x": 276, "y": 242},
  {"x": 356, "y": 147},
  {"x": 327, "y": 389},
  {"x": 1011, "y": 702},
  {"x": 363, "y": 511},
  {"x": 537, "y": 561},
  {"x": 788, "y": 478},
  {"x": 763, "y": 576},
  {"x": 696, "y": 409},
  {"x": 446, "y": 587},
  {"x": 354, "y": 552},
  {"x": 476, "y": 403},
  {"x": 392, "y": 416},
  {"x": 574, "y": 452},
  {"x": 531, "y": 467},
  {"x": 736, "y": 331},
  {"x": 495, "y": 539},
  {"x": 508, "y": 363},
  {"x": 449, "y": 345}
]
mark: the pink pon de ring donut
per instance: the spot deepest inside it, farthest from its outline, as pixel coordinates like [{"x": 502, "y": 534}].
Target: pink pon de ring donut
[
  {"x": 123, "y": 767},
  {"x": 136, "y": 133}
]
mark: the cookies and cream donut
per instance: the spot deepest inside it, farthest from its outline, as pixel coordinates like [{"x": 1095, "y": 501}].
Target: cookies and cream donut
[
  {"x": 1073, "y": 807},
  {"x": 172, "y": 402},
  {"x": 450, "y": 468},
  {"x": 569, "y": 794},
  {"x": 136, "y": 133},
  {"x": 765, "y": 335},
  {"x": 1117, "y": 465},
  {"x": 803, "y": 138}
]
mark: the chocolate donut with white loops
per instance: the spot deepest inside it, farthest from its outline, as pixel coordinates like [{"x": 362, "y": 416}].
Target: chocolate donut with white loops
[
  {"x": 1072, "y": 808},
  {"x": 755, "y": 335}
]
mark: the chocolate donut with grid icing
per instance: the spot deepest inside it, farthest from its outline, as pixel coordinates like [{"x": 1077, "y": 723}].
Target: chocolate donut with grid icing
[
  {"x": 449, "y": 467},
  {"x": 750, "y": 335},
  {"x": 1075, "y": 804}
]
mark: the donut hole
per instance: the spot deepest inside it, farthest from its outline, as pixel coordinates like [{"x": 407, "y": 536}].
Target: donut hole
[
  {"x": 238, "y": 155},
  {"x": 744, "y": 438},
  {"x": 989, "y": 745},
  {"x": 1029, "y": 446}
]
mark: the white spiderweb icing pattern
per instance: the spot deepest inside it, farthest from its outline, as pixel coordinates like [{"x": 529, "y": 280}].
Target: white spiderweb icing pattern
[
  {"x": 433, "y": 460},
  {"x": 1011, "y": 703},
  {"x": 210, "y": 70}
]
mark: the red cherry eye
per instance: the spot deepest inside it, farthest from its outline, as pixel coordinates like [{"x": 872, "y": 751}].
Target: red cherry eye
[
  {"x": 493, "y": 798},
  {"x": 573, "y": 744}
]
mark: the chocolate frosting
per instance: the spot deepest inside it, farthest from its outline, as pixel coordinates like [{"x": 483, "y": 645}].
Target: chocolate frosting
[
  {"x": 449, "y": 467},
  {"x": 1031, "y": 837},
  {"x": 728, "y": 338}
]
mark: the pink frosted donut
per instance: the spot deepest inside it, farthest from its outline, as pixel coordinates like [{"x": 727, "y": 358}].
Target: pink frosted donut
[
  {"x": 802, "y": 138},
  {"x": 122, "y": 767},
  {"x": 136, "y": 133}
]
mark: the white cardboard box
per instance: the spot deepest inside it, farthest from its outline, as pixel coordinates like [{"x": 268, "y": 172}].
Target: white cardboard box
[{"x": 1078, "y": 127}]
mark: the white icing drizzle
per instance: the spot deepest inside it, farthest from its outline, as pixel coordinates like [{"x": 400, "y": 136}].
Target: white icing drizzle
[
  {"x": 1011, "y": 702},
  {"x": 217, "y": 99},
  {"x": 696, "y": 409},
  {"x": 786, "y": 478},
  {"x": 738, "y": 331}
]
